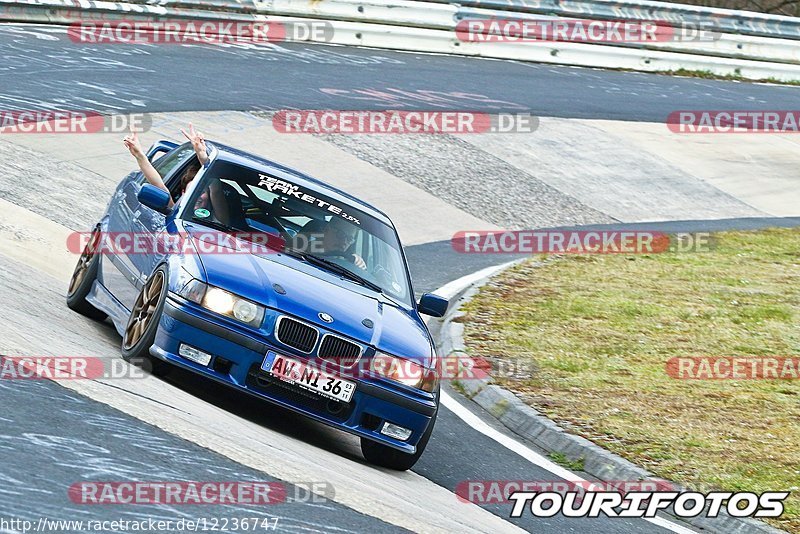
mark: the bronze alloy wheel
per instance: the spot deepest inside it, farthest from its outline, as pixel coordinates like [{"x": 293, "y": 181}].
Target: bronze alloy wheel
[
  {"x": 143, "y": 310},
  {"x": 83, "y": 263}
]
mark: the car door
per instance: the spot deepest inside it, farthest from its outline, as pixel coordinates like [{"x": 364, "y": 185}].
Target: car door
[
  {"x": 117, "y": 273},
  {"x": 149, "y": 223},
  {"x": 123, "y": 269}
]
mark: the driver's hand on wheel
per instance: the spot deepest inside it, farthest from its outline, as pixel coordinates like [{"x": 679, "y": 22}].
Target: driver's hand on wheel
[{"x": 359, "y": 261}]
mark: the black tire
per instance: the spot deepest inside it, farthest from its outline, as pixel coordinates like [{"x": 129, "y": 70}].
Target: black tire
[
  {"x": 384, "y": 456},
  {"x": 84, "y": 275},
  {"x": 136, "y": 341}
]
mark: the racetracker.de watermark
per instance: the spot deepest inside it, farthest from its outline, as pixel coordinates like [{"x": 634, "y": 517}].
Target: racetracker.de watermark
[
  {"x": 454, "y": 367},
  {"x": 71, "y": 122},
  {"x": 401, "y": 122},
  {"x": 199, "y": 492},
  {"x": 68, "y": 368},
  {"x": 500, "y": 491},
  {"x": 198, "y": 242},
  {"x": 177, "y": 493},
  {"x": 734, "y": 121},
  {"x": 579, "y": 242},
  {"x": 131, "y": 32},
  {"x": 234, "y": 523},
  {"x": 582, "y": 31},
  {"x": 734, "y": 368}
]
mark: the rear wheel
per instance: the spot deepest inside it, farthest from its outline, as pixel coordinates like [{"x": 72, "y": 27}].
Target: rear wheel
[
  {"x": 140, "y": 332},
  {"x": 83, "y": 277},
  {"x": 384, "y": 456}
]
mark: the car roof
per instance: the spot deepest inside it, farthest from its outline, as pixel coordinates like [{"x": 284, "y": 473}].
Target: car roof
[{"x": 246, "y": 159}]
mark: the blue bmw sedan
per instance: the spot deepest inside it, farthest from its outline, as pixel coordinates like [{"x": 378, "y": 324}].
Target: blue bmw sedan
[{"x": 271, "y": 282}]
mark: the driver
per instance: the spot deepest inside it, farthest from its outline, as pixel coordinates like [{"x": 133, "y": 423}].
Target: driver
[{"x": 337, "y": 237}]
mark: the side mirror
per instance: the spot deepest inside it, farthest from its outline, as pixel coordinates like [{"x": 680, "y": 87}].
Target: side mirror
[
  {"x": 154, "y": 198},
  {"x": 433, "y": 305}
]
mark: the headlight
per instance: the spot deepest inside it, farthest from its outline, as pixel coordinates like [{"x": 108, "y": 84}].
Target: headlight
[
  {"x": 407, "y": 372},
  {"x": 223, "y": 302},
  {"x": 245, "y": 311},
  {"x": 218, "y": 300}
]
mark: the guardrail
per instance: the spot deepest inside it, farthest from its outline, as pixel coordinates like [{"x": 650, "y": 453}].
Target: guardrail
[
  {"x": 726, "y": 20},
  {"x": 429, "y": 26}
]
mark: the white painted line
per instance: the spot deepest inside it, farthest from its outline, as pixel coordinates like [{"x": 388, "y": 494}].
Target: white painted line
[
  {"x": 535, "y": 458},
  {"x": 448, "y": 291}
]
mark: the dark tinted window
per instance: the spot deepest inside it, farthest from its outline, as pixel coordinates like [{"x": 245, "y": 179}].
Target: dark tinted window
[
  {"x": 310, "y": 222},
  {"x": 165, "y": 164}
]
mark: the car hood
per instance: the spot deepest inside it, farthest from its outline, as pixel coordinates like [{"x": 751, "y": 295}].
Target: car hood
[{"x": 297, "y": 288}]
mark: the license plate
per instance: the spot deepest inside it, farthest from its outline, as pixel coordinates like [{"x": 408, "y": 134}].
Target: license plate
[{"x": 307, "y": 377}]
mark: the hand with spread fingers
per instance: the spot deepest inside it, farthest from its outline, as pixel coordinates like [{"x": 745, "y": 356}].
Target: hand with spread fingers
[
  {"x": 198, "y": 143},
  {"x": 131, "y": 142}
]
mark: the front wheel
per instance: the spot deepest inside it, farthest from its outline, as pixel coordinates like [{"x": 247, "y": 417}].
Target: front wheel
[
  {"x": 140, "y": 332},
  {"x": 82, "y": 279},
  {"x": 384, "y": 456}
]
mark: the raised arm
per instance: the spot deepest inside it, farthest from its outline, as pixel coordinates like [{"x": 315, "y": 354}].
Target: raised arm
[
  {"x": 198, "y": 143},
  {"x": 150, "y": 173}
]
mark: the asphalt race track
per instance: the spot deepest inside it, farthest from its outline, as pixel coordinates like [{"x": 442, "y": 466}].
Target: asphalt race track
[
  {"x": 47, "y": 67},
  {"x": 53, "y": 435}
]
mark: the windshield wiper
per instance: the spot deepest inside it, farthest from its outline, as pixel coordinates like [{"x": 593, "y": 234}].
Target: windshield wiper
[
  {"x": 335, "y": 267},
  {"x": 213, "y": 224}
]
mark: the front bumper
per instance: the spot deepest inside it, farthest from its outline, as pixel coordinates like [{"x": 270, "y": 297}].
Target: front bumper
[{"x": 237, "y": 359}]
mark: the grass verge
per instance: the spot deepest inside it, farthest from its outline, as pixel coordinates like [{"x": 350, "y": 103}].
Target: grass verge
[
  {"x": 561, "y": 459},
  {"x": 708, "y": 75},
  {"x": 598, "y": 330}
]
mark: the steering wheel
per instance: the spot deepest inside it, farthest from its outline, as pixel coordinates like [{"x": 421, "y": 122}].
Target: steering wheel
[
  {"x": 384, "y": 277},
  {"x": 274, "y": 222}
]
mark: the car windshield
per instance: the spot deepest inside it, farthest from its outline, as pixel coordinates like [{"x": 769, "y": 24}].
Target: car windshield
[{"x": 312, "y": 227}]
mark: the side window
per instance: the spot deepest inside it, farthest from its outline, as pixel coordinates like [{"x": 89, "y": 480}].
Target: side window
[
  {"x": 166, "y": 163},
  {"x": 173, "y": 182}
]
